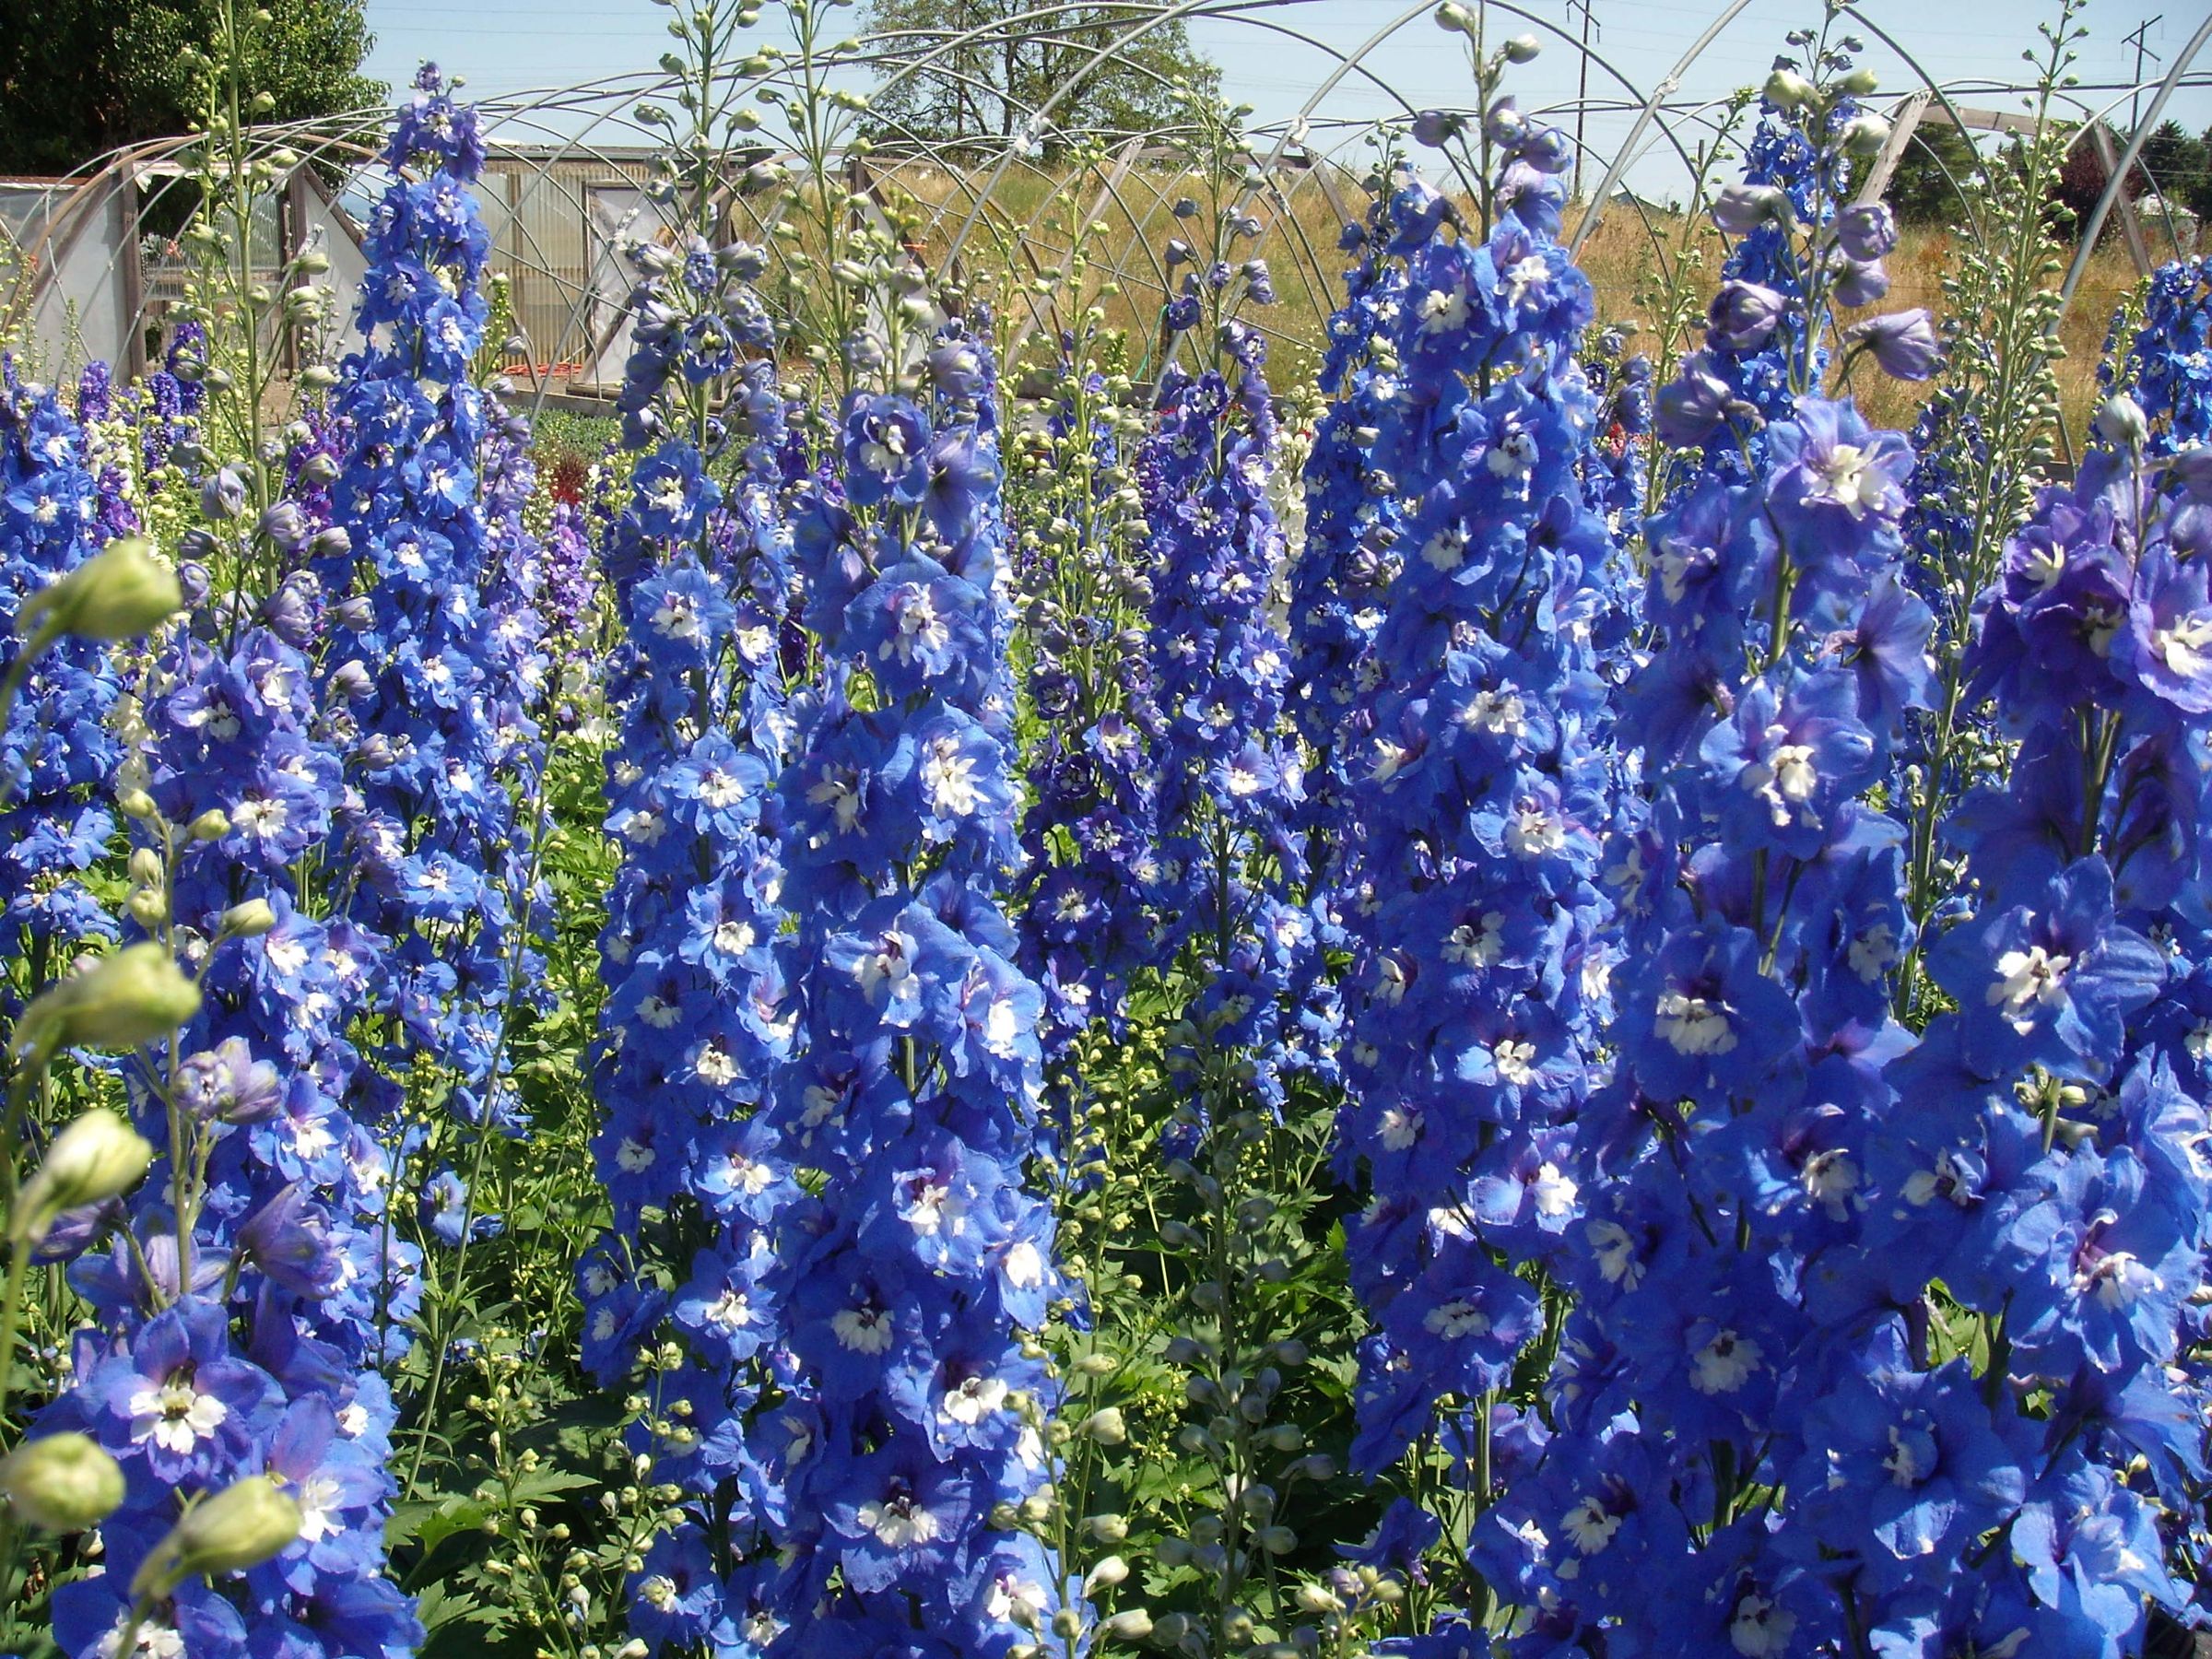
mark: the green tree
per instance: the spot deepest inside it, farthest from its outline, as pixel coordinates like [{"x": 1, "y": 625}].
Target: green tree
[
  {"x": 1938, "y": 166},
  {"x": 988, "y": 72},
  {"x": 2179, "y": 166},
  {"x": 78, "y": 77}
]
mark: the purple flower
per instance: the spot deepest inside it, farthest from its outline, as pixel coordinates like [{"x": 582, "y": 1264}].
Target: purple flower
[
  {"x": 1866, "y": 230},
  {"x": 1903, "y": 342},
  {"x": 1744, "y": 316}
]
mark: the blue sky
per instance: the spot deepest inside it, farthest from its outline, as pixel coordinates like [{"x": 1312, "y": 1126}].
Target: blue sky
[{"x": 503, "y": 46}]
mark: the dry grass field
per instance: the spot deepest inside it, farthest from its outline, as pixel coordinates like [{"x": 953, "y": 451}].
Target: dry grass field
[{"x": 1020, "y": 221}]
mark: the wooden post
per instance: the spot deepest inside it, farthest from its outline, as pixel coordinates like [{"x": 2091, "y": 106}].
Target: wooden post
[{"x": 1903, "y": 124}]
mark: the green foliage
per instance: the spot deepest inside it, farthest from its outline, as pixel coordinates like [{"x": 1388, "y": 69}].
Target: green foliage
[
  {"x": 1935, "y": 174},
  {"x": 998, "y": 67},
  {"x": 2179, "y": 167},
  {"x": 78, "y": 78}
]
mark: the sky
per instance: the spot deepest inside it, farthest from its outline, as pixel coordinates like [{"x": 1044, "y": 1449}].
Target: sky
[{"x": 506, "y": 46}]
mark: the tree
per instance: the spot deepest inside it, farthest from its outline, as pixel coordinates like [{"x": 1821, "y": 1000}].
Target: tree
[
  {"x": 1938, "y": 166},
  {"x": 78, "y": 78},
  {"x": 2178, "y": 165},
  {"x": 986, "y": 87},
  {"x": 2082, "y": 179}
]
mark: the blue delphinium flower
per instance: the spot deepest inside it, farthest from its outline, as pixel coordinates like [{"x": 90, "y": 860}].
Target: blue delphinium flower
[
  {"x": 2043, "y": 1159},
  {"x": 246, "y": 1324},
  {"x": 1089, "y": 831},
  {"x": 2166, "y": 365},
  {"x": 907, "y": 1407},
  {"x": 1230, "y": 864},
  {"x": 428, "y": 654},
  {"x": 1354, "y": 518},
  {"x": 1479, "y": 977},
  {"x": 58, "y": 749},
  {"x": 1897, "y": 1322},
  {"x": 699, "y": 1015}
]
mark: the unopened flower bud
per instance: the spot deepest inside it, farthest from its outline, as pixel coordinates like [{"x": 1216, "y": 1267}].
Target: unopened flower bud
[
  {"x": 1318, "y": 1598},
  {"x": 1866, "y": 230},
  {"x": 241, "y": 1526},
  {"x": 62, "y": 1483},
  {"x": 96, "y": 1158},
  {"x": 1903, "y": 342},
  {"x": 120, "y": 1001},
  {"x": 1451, "y": 15},
  {"x": 249, "y": 920},
  {"x": 147, "y": 868},
  {"x": 1523, "y": 49},
  {"x": 1786, "y": 89},
  {"x": 211, "y": 825},
  {"x": 1106, "y": 1425},
  {"x": 1865, "y": 134},
  {"x": 137, "y": 803},
  {"x": 1132, "y": 1624},
  {"x": 223, "y": 496},
  {"x": 2121, "y": 422},
  {"x": 119, "y": 593},
  {"x": 1860, "y": 81},
  {"x": 1105, "y": 1575}
]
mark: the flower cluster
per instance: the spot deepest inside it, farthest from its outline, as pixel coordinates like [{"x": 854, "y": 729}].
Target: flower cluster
[
  {"x": 1351, "y": 554},
  {"x": 58, "y": 751},
  {"x": 1088, "y": 834},
  {"x": 427, "y": 646},
  {"x": 243, "y": 1325},
  {"x": 2167, "y": 364},
  {"x": 1478, "y": 985},
  {"x": 1227, "y": 862},
  {"x": 700, "y": 1017},
  {"x": 907, "y": 1420}
]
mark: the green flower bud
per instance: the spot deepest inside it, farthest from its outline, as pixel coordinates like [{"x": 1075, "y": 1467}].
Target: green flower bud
[
  {"x": 1786, "y": 89},
  {"x": 210, "y": 826},
  {"x": 120, "y": 592},
  {"x": 1860, "y": 81},
  {"x": 120, "y": 1001},
  {"x": 241, "y": 1526},
  {"x": 1106, "y": 1425},
  {"x": 250, "y": 920},
  {"x": 1865, "y": 135},
  {"x": 96, "y": 1158},
  {"x": 61, "y": 1482},
  {"x": 1133, "y": 1624},
  {"x": 1523, "y": 49},
  {"x": 137, "y": 803},
  {"x": 1105, "y": 1575}
]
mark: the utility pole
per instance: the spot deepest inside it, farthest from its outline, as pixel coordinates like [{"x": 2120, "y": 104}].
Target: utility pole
[
  {"x": 2141, "y": 42},
  {"x": 1581, "y": 88}
]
